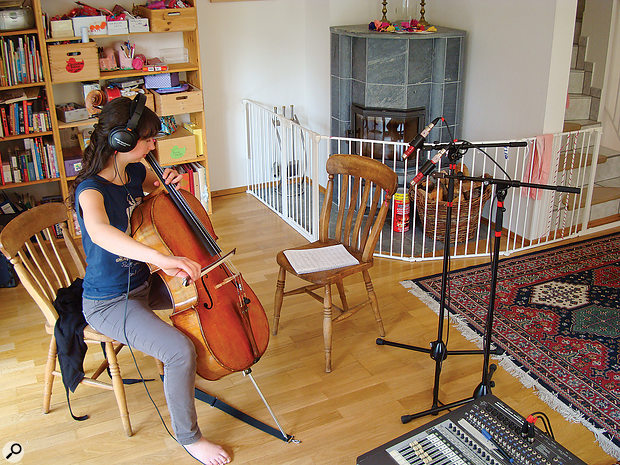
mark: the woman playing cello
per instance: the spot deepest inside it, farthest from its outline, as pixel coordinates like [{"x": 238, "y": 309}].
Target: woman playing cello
[{"x": 109, "y": 186}]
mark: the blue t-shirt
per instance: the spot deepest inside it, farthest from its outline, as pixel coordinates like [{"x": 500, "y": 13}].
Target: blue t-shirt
[{"x": 107, "y": 273}]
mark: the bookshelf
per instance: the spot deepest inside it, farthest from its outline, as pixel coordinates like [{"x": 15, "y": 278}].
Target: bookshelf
[
  {"x": 62, "y": 136},
  {"x": 29, "y": 167}
]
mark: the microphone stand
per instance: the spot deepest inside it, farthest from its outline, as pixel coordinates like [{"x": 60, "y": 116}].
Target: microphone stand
[
  {"x": 502, "y": 186},
  {"x": 438, "y": 350}
]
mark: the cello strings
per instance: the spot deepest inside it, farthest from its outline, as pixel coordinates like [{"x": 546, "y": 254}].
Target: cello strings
[
  {"x": 194, "y": 223},
  {"x": 186, "y": 211}
]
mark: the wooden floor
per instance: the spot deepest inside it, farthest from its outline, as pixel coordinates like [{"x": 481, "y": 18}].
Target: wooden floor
[{"x": 337, "y": 416}]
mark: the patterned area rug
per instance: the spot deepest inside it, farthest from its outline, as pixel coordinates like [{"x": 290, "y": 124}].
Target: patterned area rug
[{"x": 558, "y": 318}]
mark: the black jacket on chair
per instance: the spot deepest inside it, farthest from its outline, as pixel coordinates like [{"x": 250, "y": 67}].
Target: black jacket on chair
[{"x": 69, "y": 334}]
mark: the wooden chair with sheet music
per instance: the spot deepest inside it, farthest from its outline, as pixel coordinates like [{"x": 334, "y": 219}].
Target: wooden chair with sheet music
[{"x": 366, "y": 187}]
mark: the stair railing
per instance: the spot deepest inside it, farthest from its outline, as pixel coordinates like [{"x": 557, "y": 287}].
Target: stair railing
[{"x": 286, "y": 169}]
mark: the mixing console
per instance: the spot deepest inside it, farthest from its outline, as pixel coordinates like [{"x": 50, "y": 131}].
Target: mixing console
[{"x": 484, "y": 432}]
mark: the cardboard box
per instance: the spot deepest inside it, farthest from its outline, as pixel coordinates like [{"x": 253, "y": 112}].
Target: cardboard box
[
  {"x": 170, "y": 19},
  {"x": 62, "y": 28},
  {"x": 118, "y": 27},
  {"x": 178, "y": 147},
  {"x": 78, "y": 113},
  {"x": 73, "y": 166},
  {"x": 157, "y": 81},
  {"x": 137, "y": 24},
  {"x": 96, "y": 25},
  {"x": 177, "y": 103},
  {"x": 197, "y": 132},
  {"x": 73, "y": 62}
]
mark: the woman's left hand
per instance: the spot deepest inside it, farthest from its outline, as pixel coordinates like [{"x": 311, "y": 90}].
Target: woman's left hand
[{"x": 171, "y": 176}]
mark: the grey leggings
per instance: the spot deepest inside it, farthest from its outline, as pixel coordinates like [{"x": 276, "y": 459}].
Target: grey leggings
[{"x": 147, "y": 333}]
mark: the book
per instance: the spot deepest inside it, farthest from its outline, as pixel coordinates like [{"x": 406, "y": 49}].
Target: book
[
  {"x": 320, "y": 259},
  {"x": 186, "y": 181},
  {"x": 203, "y": 188},
  {"x": 5, "y": 122},
  {"x": 7, "y": 173}
]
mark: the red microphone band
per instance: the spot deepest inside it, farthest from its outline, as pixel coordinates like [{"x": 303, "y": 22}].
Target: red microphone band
[
  {"x": 417, "y": 178},
  {"x": 409, "y": 151}
]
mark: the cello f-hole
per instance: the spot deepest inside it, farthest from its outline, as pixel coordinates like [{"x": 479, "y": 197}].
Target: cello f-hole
[{"x": 208, "y": 305}]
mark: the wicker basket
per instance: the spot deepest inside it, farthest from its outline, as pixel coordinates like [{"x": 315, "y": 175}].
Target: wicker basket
[{"x": 439, "y": 214}]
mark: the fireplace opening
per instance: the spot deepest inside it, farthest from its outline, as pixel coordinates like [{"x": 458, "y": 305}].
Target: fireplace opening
[{"x": 385, "y": 125}]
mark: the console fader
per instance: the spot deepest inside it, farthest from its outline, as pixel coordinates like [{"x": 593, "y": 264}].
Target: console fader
[{"x": 484, "y": 432}]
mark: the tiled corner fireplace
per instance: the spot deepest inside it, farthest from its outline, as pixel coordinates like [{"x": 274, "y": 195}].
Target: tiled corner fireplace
[{"x": 394, "y": 75}]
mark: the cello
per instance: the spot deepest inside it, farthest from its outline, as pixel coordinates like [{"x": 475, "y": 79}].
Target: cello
[{"x": 220, "y": 313}]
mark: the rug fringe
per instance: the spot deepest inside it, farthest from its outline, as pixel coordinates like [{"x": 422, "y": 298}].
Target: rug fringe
[{"x": 506, "y": 362}]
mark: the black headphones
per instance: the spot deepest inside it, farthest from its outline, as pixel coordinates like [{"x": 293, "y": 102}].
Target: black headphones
[{"x": 124, "y": 138}]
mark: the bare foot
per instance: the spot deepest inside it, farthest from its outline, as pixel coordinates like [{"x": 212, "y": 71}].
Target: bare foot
[{"x": 208, "y": 452}]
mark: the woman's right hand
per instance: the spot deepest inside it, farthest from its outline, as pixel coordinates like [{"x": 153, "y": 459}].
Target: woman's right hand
[{"x": 182, "y": 267}]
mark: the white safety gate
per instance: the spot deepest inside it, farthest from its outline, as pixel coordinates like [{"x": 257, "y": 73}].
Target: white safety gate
[{"x": 286, "y": 169}]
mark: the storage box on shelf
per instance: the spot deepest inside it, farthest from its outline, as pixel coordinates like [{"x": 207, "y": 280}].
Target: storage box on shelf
[
  {"x": 71, "y": 112},
  {"x": 118, "y": 27},
  {"x": 138, "y": 24},
  {"x": 169, "y": 20},
  {"x": 177, "y": 103},
  {"x": 157, "y": 81},
  {"x": 197, "y": 132},
  {"x": 95, "y": 25},
  {"x": 61, "y": 28},
  {"x": 73, "y": 161},
  {"x": 74, "y": 62},
  {"x": 178, "y": 147}
]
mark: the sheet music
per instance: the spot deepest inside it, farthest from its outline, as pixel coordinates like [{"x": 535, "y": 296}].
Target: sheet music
[{"x": 320, "y": 259}]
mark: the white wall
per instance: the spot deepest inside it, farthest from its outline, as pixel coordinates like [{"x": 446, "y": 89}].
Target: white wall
[
  {"x": 596, "y": 22},
  {"x": 277, "y": 52},
  {"x": 610, "y": 99}
]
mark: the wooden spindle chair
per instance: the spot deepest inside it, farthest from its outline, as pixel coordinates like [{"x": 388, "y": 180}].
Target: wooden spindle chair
[
  {"x": 358, "y": 225},
  {"x": 43, "y": 267}
]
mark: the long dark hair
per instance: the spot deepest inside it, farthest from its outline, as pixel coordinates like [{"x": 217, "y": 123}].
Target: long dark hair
[{"x": 98, "y": 152}]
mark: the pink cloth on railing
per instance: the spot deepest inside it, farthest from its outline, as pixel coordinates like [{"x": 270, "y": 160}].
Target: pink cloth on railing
[{"x": 539, "y": 165}]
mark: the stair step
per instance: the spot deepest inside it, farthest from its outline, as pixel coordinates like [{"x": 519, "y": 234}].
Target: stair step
[
  {"x": 575, "y": 81},
  {"x": 581, "y": 55},
  {"x": 609, "y": 153},
  {"x": 600, "y": 195},
  {"x": 576, "y": 125},
  {"x": 578, "y": 107},
  {"x": 574, "y": 160}
]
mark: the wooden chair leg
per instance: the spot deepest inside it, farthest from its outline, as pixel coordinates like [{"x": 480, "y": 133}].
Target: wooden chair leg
[
  {"x": 160, "y": 367},
  {"x": 373, "y": 301},
  {"x": 50, "y": 366},
  {"x": 277, "y": 305},
  {"x": 105, "y": 364},
  {"x": 119, "y": 389},
  {"x": 343, "y": 296},
  {"x": 327, "y": 327}
]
